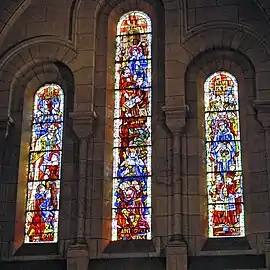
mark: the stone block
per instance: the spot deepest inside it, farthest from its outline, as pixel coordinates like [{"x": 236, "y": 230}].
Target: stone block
[
  {"x": 208, "y": 14},
  {"x": 160, "y": 205},
  {"x": 77, "y": 257},
  {"x": 196, "y": 224},
  {"x": 176, "y": 256},
  {"x": 199, "y": 3}
]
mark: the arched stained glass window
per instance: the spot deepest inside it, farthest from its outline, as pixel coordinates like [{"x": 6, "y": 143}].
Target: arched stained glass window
[
  {"x": 223, "y": 156},
  {"x": 44, "y": 172},
  {"x": 131, "y": 213}
]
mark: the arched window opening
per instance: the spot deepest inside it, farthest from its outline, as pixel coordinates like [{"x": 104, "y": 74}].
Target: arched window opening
[
  {"x": 44, "y": 170},
  {"x": 223, "y": 156},
  {"x": 131, "y": 213}
]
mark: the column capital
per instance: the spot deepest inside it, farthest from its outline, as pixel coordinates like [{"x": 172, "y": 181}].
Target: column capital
[
  {"x": 6, "y": 123},
  {"x": 263, "y": 112},
  {"x": 83, "y": 123},
  {"x": 175, "y": 117},
  {"x": 3, "y": 122}
]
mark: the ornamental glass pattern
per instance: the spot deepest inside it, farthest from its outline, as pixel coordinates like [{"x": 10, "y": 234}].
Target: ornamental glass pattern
[
  {"x": 223, "y": 156},
  {"x": 131, "y": 213},
  {"x": 44, "y": 172}
]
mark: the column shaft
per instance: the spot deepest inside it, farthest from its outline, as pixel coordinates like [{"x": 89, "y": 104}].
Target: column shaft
[
  {"x": 81, "y": 191},
  {"x": 176, "y": 186}
]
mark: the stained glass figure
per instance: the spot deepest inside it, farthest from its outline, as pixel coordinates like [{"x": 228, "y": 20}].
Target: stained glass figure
[
  {"x": 131, "y": 213},
  {"x": 44, "y": 172},
  {"x": 223, "y": 156}
]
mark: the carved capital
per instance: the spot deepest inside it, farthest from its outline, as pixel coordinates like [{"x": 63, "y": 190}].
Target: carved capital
[
  {"x": 6, "y": 123},
  {"x": 3, "y": 123},
  {"x": 175, "y": 117},
  {"x": 263, "y": 112},
  {"x": 83, "y": 123}
]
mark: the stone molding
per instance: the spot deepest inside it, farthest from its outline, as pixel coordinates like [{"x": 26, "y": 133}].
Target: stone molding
[
  {"x": 263, "y": 112},
  {"x": 5, "y": 124},
  {"x": 83, "y": 123},
  {"x": 176, "y": 117},
  {"x": 26, "y": 44},
  {"x": 15, "y": 13}
]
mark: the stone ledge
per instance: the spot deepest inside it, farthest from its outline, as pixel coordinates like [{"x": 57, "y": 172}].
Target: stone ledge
[
  {"x": 134, "y": 255},
  {"x": 131, "y": 246},
  {"x": 176, "y": 117},
  {"x": 218, "y": 244},
  {"x": 33, "y": 265},
  {"x": 128, "y": 263},
  {"x": 37, "y": 249},
  {"x": 226, "y": 262}
]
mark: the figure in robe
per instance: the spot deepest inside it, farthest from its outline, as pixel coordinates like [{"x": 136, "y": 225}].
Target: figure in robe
[
  {"x": 219, "y": 213},
  {"x": 238, "y": 197},
  {"x": 231, "y": 210},
  {"x": 132, "y": 165},
  {"x": 223, "y": 148},
  {"x": 143, "y": 92},
  {"x": 217, "y": 197},
  {"x": 137, "y": 62},
  {"x": 129, "y": 94},
  {"x": 43, "y": 155},
  {"x": 42, "y": 222},
  {"x": 130, "y": 212},
  {"x": 126, "y": 78}
]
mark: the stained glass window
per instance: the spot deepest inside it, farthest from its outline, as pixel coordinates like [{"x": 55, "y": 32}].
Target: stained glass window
[
  {"x": 223, "y": 156},
  {"x": 131, "y": 213},
  {"x": 44, "y": 172}
]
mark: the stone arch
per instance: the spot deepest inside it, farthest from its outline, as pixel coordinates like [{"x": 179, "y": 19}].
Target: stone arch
[
  {"x": 197, "y": 72},
  {"x": 27, "y": 54},
  {"x": 263, "y": 6},
  {"x": 231, "y": 36},
  {"x": 82, "y": 9},
  {"x": 23, "y": 85},
  {"x": 10, "y": 15}
]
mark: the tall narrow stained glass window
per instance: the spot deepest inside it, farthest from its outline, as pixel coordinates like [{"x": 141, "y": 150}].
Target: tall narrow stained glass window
[
  {"x": 131, "y": 213},
  {"x": 44, "y": 172},
  {"x": 223, "y": 156}
]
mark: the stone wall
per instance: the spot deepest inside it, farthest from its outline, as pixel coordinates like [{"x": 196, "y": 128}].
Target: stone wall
[{"x": 72, "y": 43}]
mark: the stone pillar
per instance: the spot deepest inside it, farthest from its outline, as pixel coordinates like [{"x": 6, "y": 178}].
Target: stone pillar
[
  {"x": 176, "y": 256},
  {"x": 263, "y": 115},
  {"x": 78, "y": 255},
  {"x": 176, "y": 249}
]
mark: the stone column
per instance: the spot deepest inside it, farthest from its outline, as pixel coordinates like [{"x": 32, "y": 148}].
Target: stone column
[
  {"x": 176, "y": 249},
  {"x": 78, "y": 255},
  {"x": 263, "y": 115}
]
